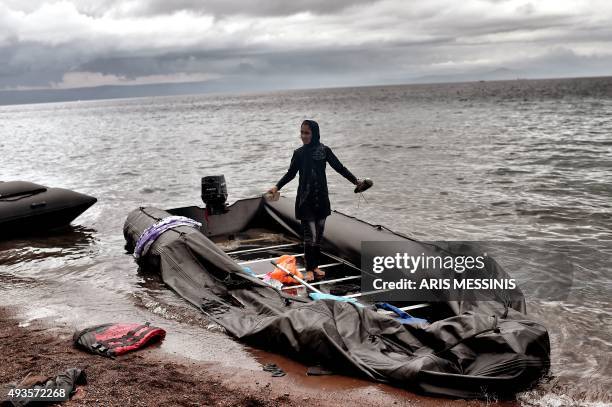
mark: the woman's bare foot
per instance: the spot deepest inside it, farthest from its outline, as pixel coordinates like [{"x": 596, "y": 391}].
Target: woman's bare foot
[{"x": 319, "y": 274}]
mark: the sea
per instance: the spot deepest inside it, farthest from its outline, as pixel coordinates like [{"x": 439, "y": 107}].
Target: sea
[{"x": 524, "y": 163}]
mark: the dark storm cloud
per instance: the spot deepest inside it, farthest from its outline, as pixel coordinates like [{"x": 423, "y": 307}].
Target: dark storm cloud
[
  {"x": 253, "y": 7},
  {"x": 218, "y": 8},
  {"x": 245, "y": 62},
  {"x": 190, "y": 62},
  {"x": 341, "y": 60},
  {"x": 467, "y": 28},
  {"x": 72, "y": 43},
  {"x": 30, "y": 64}
]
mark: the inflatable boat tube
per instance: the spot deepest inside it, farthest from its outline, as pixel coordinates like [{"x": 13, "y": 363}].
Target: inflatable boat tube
[
  {"x": 27, "y": 207},
  {"x": 474, "y": 353}
]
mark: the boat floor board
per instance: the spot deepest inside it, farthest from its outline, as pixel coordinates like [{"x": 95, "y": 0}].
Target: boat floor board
[{"x": 255, "y": 248}]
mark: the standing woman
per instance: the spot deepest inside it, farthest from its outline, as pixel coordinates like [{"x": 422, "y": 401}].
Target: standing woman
[{"x": 312, "y": 202}]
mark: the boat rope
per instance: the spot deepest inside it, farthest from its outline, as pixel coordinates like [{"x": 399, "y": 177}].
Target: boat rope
[{"x": 148, "y": 237}]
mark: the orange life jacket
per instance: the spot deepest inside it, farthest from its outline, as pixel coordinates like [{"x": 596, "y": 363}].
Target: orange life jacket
[{"x": 289, "y": 263}]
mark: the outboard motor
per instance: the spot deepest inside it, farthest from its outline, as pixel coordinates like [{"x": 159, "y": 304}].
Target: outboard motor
[{"x": 214, "y": 194}]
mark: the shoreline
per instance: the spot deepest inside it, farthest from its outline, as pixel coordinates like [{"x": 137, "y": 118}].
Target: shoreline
[
  {"x": 152, "y": 376},
  {"x": 140, "y": 378}
]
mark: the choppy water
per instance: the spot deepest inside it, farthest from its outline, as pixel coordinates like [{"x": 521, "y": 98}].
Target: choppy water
[{"x": 524, "y": 161}]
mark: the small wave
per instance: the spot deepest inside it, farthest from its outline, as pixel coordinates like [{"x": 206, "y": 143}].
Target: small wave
[
  {"x": 129, "y": 174},
  {"x": 508, "y": 171},
  {"x": 68, "y": 243},
  {"x": 151, "y": 190}
]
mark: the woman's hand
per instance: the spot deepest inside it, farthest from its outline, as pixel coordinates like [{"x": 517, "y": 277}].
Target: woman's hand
[
  {"x": 363, "y": 184},
  {"x": 272, "y": 194}
]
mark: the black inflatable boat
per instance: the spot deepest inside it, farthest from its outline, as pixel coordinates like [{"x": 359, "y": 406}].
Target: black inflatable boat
[
  {"x": 26, "y": 207},
  {"x": 467, "y": 350}
]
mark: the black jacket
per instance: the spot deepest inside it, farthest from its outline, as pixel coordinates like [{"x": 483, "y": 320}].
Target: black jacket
[{"x": 312, "y": 201}]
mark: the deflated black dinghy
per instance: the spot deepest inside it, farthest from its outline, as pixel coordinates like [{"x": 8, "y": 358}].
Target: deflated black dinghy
[
  {"x": 27, "y": 207},
  {"x": 467, "y": 350}
]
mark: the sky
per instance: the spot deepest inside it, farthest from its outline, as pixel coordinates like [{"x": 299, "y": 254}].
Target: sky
[{"x": 46, "y": 44}]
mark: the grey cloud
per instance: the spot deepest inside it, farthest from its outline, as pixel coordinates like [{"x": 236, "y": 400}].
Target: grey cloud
[
  {"x": 188, "y": 61},
  {"x": 222, "y": 8},
  {"x": 247, "y": 63},
  {"x": 32, "y": 65},
  {"x": 366, "y": 65},
  {"x": 399, "y": 43},
  {"x": 466, "y": 27},
  {"x": 254, "y": 7}
]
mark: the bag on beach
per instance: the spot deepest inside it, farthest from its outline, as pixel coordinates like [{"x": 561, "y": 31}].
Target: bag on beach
[{"x": 116, "y": 339}]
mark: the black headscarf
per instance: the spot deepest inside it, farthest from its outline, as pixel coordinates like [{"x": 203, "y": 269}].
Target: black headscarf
[
  {"x": 316, "y": 135},
  {"x": 315, "y": 150}
]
